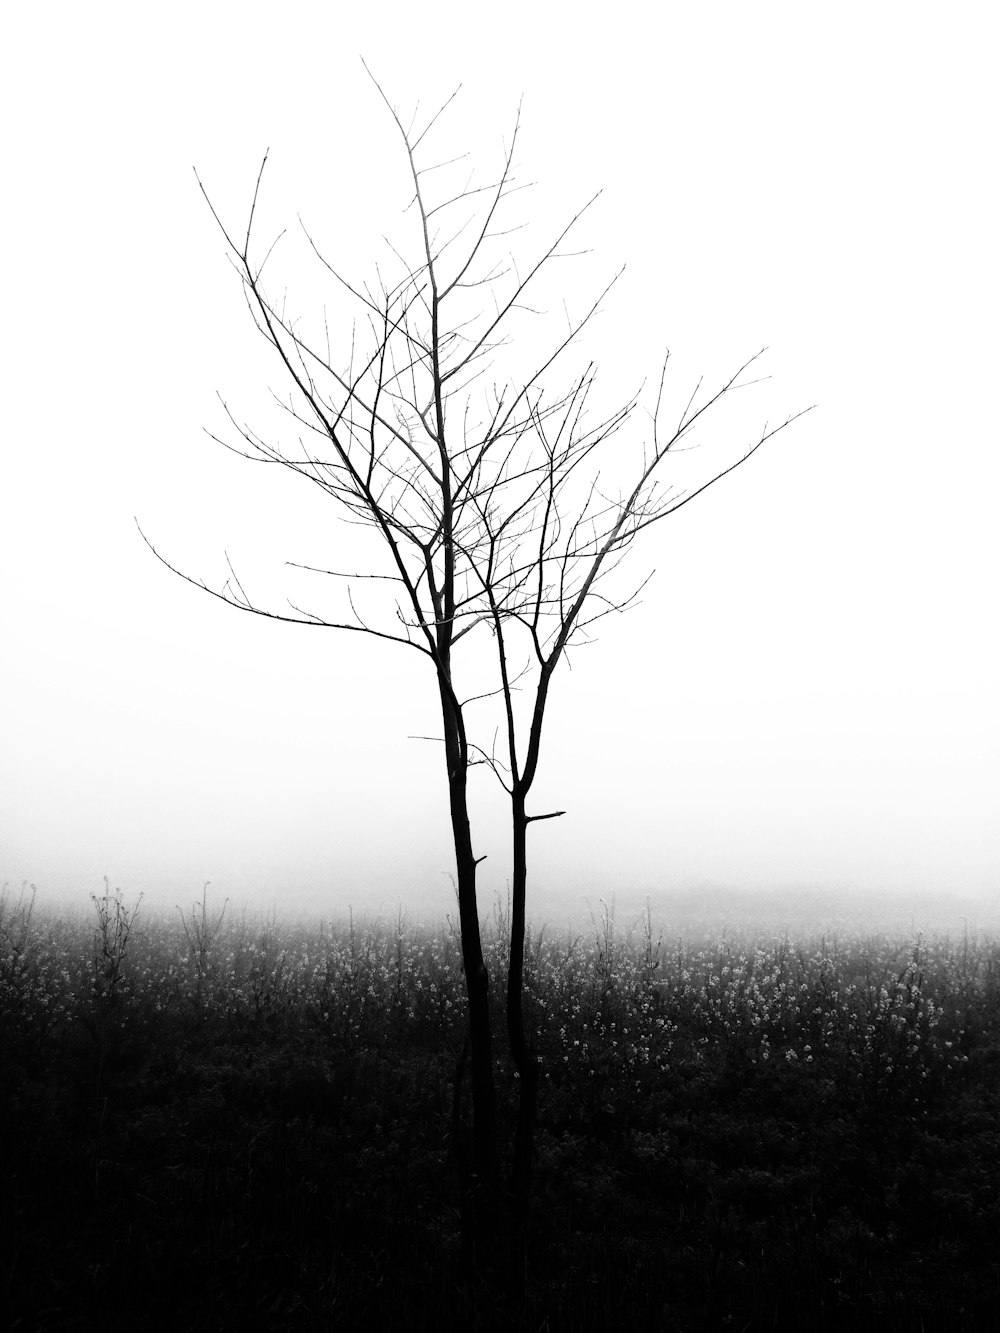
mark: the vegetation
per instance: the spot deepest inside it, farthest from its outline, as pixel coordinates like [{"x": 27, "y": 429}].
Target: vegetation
[{"x": 212, "y": 1122}]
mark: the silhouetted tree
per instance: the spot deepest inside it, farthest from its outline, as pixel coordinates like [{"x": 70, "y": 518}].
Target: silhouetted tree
[{"x": 492, "y": 512}]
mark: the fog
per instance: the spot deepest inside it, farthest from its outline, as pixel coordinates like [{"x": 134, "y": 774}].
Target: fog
[{"x": 801, "y": 717}]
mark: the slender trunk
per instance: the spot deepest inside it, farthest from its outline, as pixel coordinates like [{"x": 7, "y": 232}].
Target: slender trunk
[
  {"x": 477, "y": 984},
  {"x": 480, "y": 1186},
  {"x": 525, "y": 1060}
]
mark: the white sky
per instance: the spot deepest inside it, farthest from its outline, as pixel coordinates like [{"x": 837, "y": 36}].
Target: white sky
[{"x": 806, "y": 699}]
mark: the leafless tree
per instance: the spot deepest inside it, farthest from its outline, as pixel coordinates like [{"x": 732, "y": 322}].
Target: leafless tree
[{"x": 495, "y": 509}]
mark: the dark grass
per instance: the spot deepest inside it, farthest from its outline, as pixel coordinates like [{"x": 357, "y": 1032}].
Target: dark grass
[{"x": 257, "y": 1134}]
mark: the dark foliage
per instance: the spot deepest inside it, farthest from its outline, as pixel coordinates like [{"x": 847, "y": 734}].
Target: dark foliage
[{"x": 747, "y": 1136}]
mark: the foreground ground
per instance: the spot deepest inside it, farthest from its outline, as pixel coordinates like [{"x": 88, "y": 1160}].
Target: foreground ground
[{"x": 211, "y": 1124}]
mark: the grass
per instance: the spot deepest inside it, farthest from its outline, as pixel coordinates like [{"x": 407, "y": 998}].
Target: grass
[{"x": 211, "y": 1122}]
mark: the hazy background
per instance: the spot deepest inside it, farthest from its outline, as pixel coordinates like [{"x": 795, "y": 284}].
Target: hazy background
[{"x": 805, "y": 707}]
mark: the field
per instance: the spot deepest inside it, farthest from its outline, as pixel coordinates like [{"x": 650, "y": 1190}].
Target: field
[{"x": 212, "y": 1123}]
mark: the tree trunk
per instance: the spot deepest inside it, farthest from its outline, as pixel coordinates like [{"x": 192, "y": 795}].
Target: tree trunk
[
  {"x": 525, "y": 1060},
  {"x": 480, "y": 1185}
]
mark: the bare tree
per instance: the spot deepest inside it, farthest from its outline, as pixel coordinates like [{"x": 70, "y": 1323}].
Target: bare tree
[{"x": 492, "y": 509}]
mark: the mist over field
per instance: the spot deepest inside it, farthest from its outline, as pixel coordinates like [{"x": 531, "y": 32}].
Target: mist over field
[{"x": 703, "y": 914}]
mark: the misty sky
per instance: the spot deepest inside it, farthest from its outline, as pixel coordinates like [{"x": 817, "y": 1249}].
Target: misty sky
[{"x": 806, "y": 700}]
